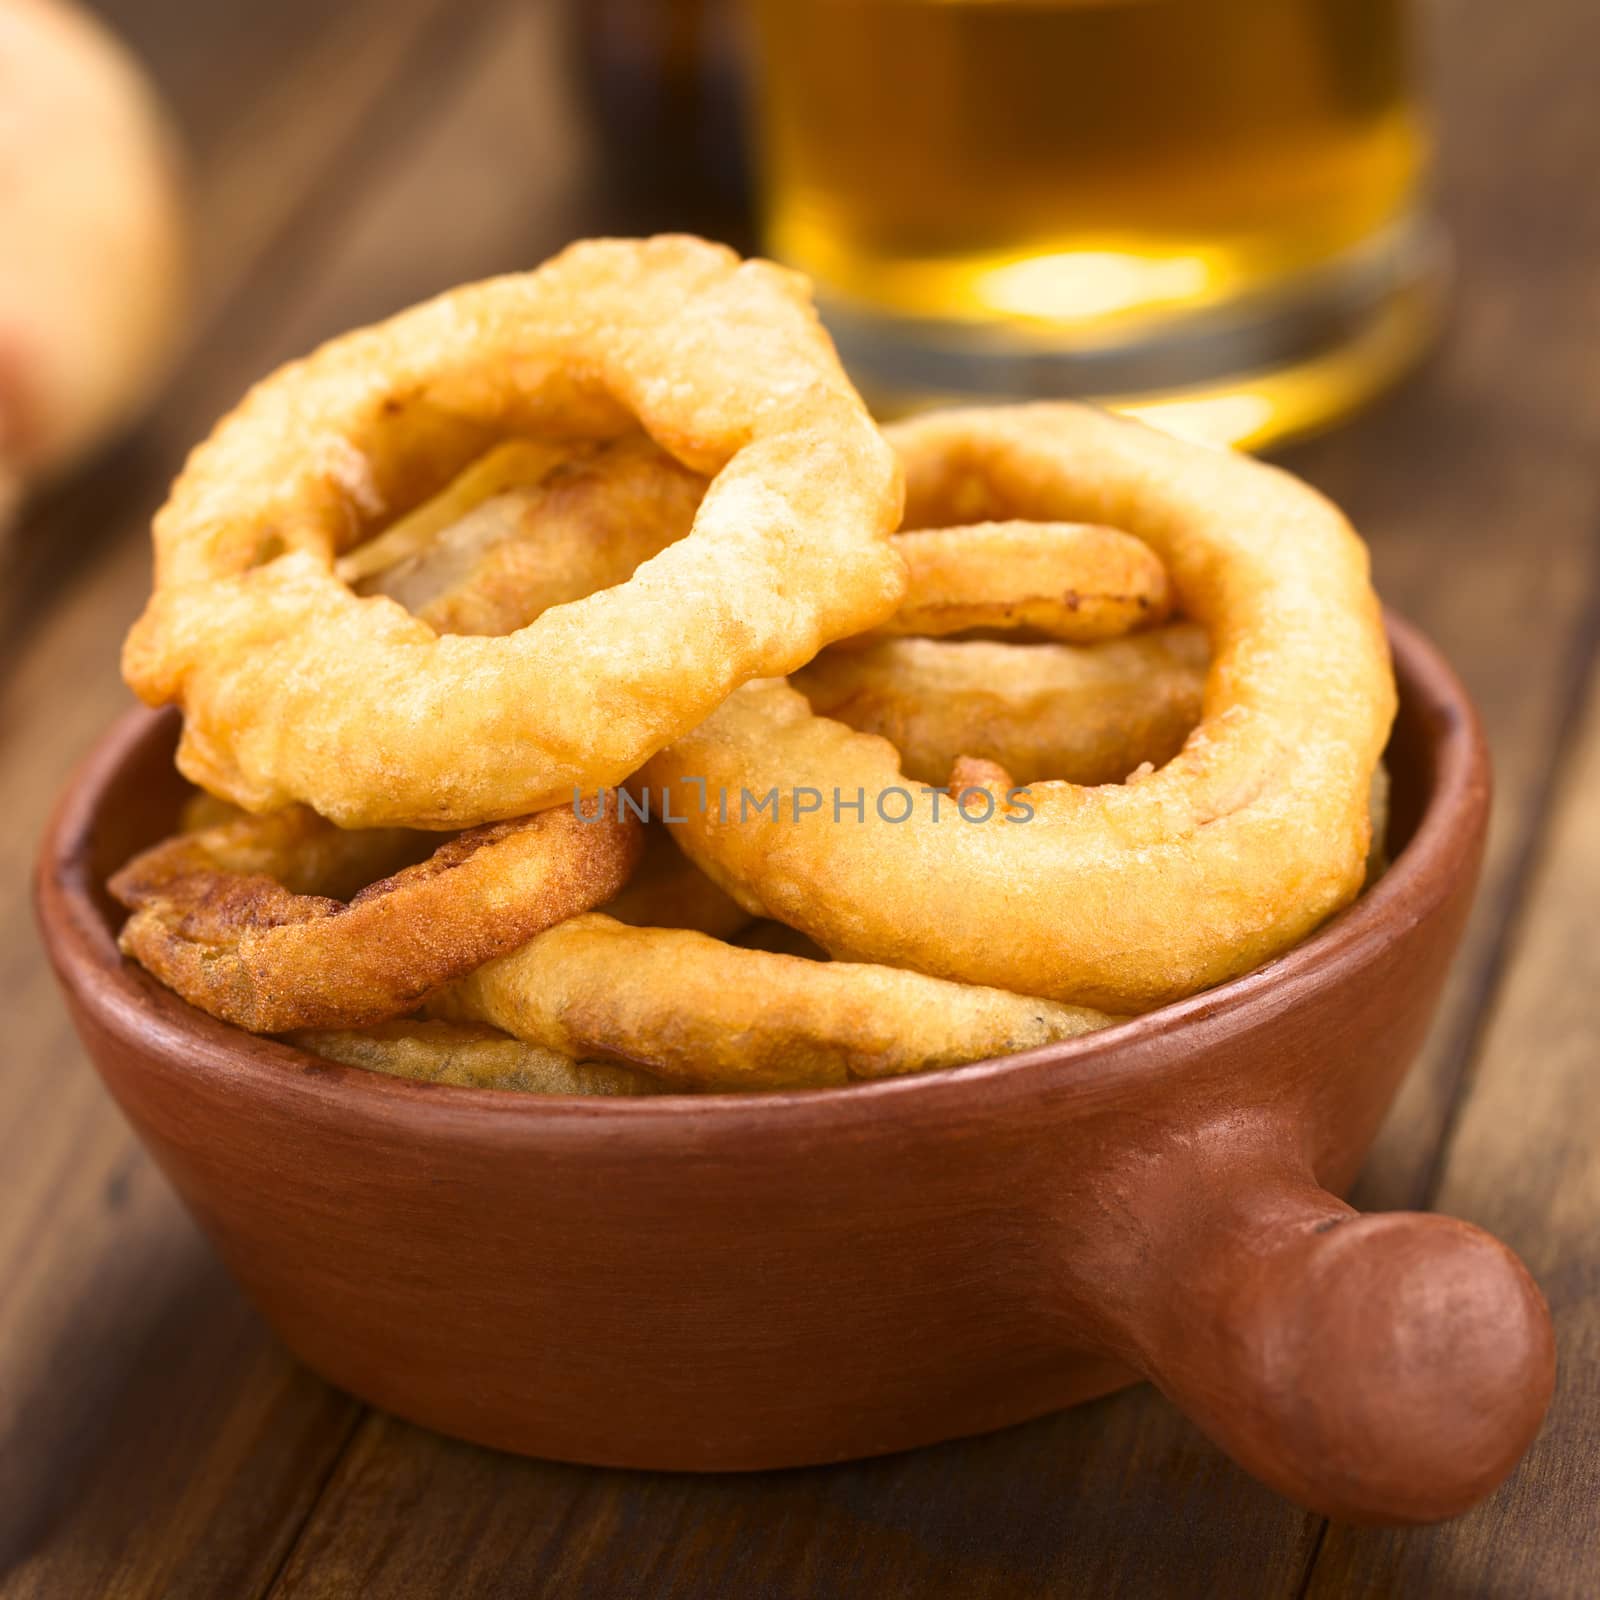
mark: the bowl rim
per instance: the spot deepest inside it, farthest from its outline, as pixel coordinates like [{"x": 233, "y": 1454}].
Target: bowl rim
[{"x": 128, "y": 1002}]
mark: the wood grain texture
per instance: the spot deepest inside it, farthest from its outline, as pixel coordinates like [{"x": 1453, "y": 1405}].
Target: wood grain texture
[
  {"x": 1524, "y": 1160},
  {"x": 1048, "y": 1509},
  {"x": 153, "y": 1441},
  {"x": 1476, "y": 484}
]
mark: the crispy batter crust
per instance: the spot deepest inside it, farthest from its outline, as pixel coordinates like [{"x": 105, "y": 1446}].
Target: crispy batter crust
[
  {"x": 1119, "y": 897},
  {"x": 296, "y": 689},
  {"x": 472, "y": 1056},
  {"x": 1060, "y": 580},
  {"x": 243, "y": 919},
  {"x": 701, "y": 1014}
]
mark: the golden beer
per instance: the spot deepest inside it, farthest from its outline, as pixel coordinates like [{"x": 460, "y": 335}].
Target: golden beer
[{"x": 1160, "y": 201}]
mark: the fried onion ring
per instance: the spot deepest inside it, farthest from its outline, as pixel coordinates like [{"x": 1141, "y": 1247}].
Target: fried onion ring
[
  {"x": 296, "y": 689},
  {"x": 700, "y": 1014},
  {"x": 471, "y": 1056},
  {"x": 1069, "y": 581},
  {"x": 1086, "y": 713},
  {"x": 527, "y": 527},
  {"x": 263, "y": 922},
  {"x": 1120, "y": 897}
]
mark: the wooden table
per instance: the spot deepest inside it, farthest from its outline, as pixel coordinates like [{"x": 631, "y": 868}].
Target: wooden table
[{"x": 157, "y": 1442}]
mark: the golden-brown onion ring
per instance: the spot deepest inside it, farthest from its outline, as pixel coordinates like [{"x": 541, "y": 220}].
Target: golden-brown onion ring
[
  {"x": 296, "y": 689},
  {"x": 295, "y": 848},
  {"x": 1120, "y": 897},
  {"x": 1086, "y": 713},
  {"x": 1071, "y": 581},
  {"x": 700, "y": 1014},
  {"x": 470, "y": 1056},
  {"x": 263, "y": 922}
]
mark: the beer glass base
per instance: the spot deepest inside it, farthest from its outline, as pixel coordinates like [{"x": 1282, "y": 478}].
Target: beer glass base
[{"x": 1248, "y": 375}]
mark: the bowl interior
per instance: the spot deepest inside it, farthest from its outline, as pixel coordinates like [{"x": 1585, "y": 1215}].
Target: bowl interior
[{"x": 127, "y": 795}]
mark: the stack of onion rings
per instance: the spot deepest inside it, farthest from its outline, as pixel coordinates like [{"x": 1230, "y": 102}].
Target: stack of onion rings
[
  {"x": 1120, "y": 897},
  {"x": 405, "y": 584}
]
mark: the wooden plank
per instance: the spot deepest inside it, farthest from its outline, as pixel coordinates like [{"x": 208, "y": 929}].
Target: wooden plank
[
  {"x": 1123, "y": 1496},
  {"x": 1475, "y": 483},
  {"x": 1017, "y": 1514},
  {"x": 1525, "y": 1163},
  {"x": 153, "y": 1439},
  {"x": 256, "y": 160},
  {"x": 262, "y": 96},
  {"x": 1028, "y": 1511},
  {"x": 499, "y": 182},
  {"x": 146, "y": 1426}
]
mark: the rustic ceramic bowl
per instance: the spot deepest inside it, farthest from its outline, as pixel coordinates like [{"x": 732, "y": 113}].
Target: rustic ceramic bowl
[{"x": 724, "y": 1282}]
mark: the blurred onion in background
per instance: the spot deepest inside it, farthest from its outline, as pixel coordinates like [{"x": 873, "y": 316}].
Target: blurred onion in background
[{"x": 92, "y": 252}]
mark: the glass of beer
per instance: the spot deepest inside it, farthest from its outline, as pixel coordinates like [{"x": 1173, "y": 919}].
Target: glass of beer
[{"x": 1205, "y": 212}]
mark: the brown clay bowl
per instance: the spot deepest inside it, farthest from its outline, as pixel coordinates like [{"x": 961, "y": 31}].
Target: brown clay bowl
[{"x": 721, "y": 1282}]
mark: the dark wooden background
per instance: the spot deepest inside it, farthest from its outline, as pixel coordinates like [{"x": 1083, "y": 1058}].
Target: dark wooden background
[{"x": 154, "y": 1441}]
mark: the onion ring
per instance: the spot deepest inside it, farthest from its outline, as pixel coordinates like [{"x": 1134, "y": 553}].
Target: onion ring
[
  {"x": 1118, "y": 897},
  {"x": 296, "y": 689},
  {"x": 701, "y": 1014},
  {"x": 471, "y": 1056},
  {"x": 1069, "y": 581},
  {"x": 294, "y": 848},
  {"x": 1086, "y": 713},
  {"x": 243, "y": 921}
]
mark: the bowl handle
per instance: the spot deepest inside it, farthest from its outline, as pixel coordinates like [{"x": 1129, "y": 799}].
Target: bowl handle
[{"x": 1384, "y": 1368}]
